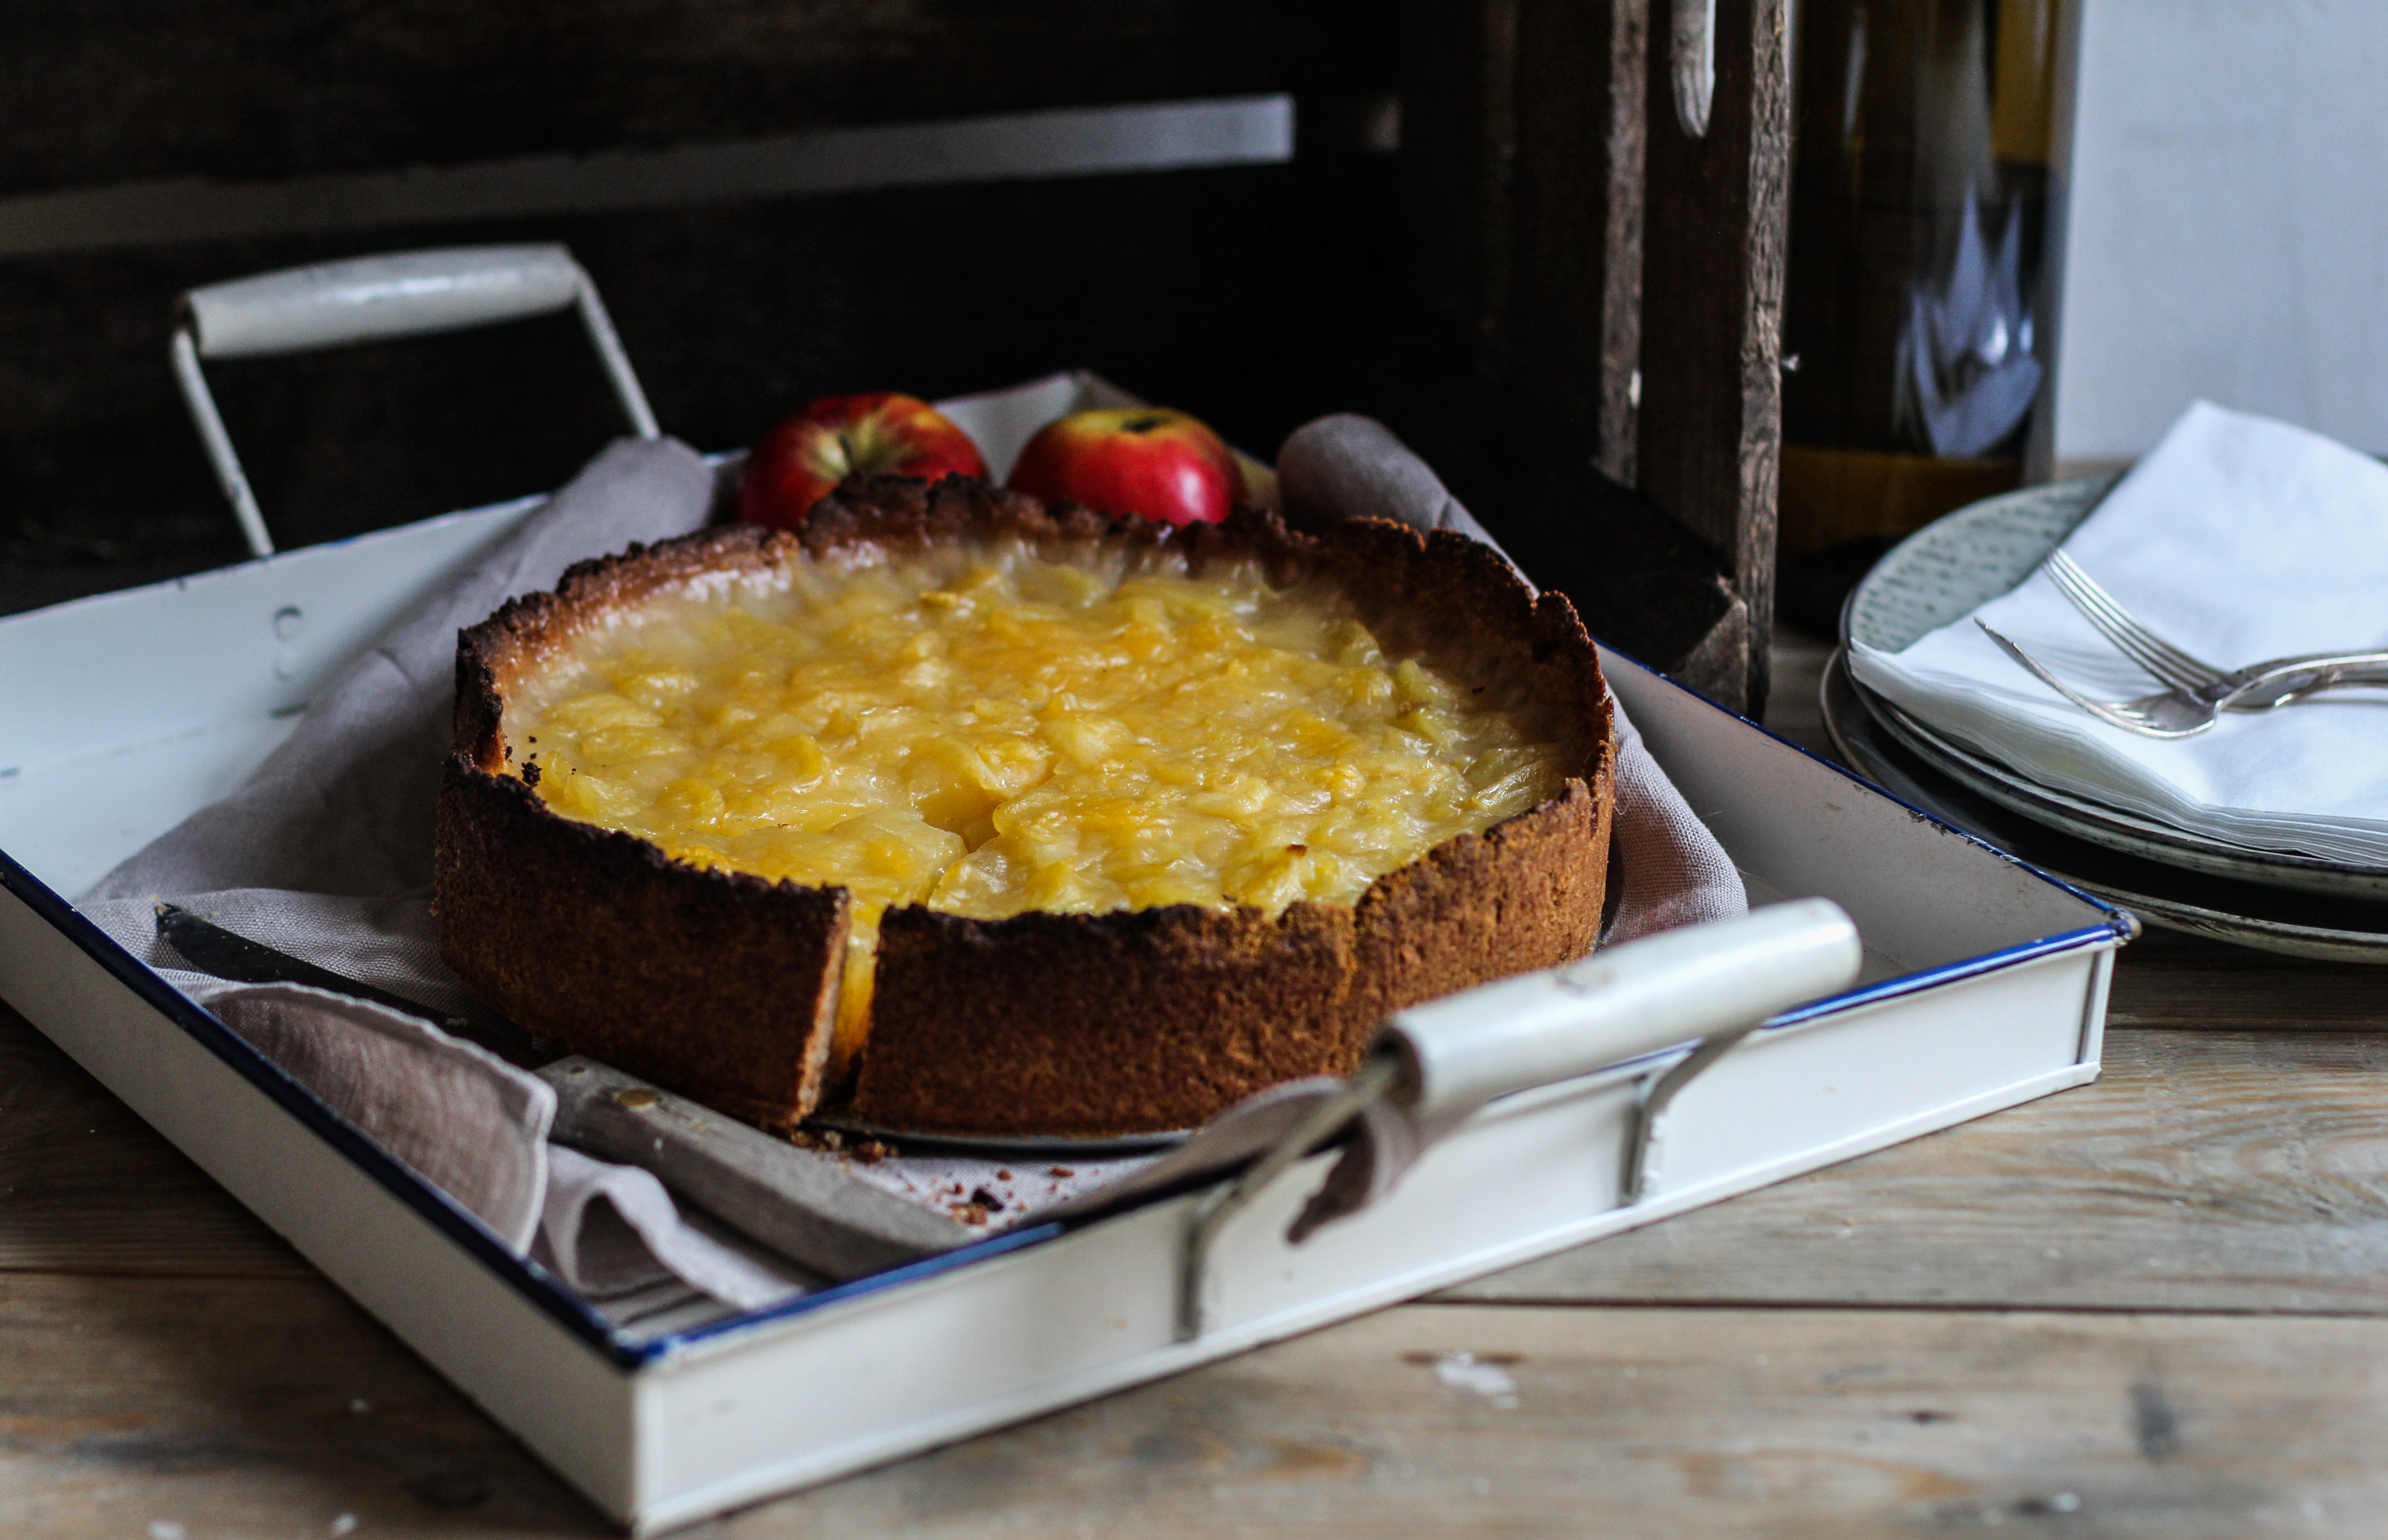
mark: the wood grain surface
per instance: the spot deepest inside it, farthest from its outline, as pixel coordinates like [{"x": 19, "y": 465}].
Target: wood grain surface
[
  {"x": 86, "y": 1188},
  {"x": 271, "y": 1407},
  {"x": 2151, "y": 1306},
  {"x": 2211, "y": 1171},
  {"x": 2185, "y": 981},
  {"x": 1675, "y": 1422}
]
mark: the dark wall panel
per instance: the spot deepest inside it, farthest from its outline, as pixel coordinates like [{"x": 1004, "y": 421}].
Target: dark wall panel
[
  {"x": 101, "y": 91},
  {"x": 1256, "y": 297}
]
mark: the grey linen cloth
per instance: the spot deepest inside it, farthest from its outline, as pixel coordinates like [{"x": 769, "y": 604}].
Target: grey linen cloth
[
  {"x": 345, "y": 805},
  {"x": 325, "y": 853}
]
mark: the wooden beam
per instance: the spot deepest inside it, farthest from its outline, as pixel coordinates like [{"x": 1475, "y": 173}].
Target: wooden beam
[
  {"x": 1571, "y": 315},
  {"x": 86, "y": 1187},
  {"x": 1526, "y": 135},
  {"x": 1711, "y": 311}
]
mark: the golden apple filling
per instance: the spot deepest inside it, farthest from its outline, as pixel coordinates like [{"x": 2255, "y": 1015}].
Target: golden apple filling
[{"x": 987, "y": 732}]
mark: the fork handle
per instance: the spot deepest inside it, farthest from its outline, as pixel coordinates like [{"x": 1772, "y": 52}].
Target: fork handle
[{"x": 2292, "y": 679}]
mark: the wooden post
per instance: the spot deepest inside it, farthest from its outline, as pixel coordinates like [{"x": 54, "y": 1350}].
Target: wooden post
[
  {"x": 1573, "y": 325},
  {"x": 1712, "y": 307},
  {"x": 1615, "y": 283}
]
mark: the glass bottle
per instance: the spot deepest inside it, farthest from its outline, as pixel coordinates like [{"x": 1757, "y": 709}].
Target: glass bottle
[{"x": 1913, "y": 351}]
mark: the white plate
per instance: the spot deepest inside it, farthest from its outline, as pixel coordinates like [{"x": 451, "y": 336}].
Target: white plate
[
  {"x": 2251, "y": 914},
  {"x": 2113, "y": 828},
  {"x": 1948, "y": 569}
]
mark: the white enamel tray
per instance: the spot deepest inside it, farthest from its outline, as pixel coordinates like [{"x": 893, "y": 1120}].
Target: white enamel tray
[{"x": 1985, "y": 985}]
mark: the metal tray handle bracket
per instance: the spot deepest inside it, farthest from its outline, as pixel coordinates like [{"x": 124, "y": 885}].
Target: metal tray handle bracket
[
  {"x": 1442, "y": 1061},
  {"x": 406, "y": 294}
]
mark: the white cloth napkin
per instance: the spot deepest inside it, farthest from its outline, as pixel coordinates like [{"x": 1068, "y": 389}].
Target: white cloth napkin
[{"x": 2238, "y": 539}]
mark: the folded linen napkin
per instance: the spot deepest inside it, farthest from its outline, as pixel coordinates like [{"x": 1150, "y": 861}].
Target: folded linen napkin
[
  {"x": 2239, "y": 539},
  {"x": 324, "y": 853}
]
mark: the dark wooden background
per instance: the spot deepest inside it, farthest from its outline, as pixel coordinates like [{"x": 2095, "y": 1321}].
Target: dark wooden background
[
  {"x": 1218, "y": 286},
  {"x": 1480, "y": 289}
]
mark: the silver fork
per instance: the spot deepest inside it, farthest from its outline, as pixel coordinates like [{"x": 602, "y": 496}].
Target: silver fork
[
  {"x": 2286, "y": 679},
  {"x": 2170, "y": 664},
  {"x": 2184, "y": 713},
  {"x": 2166, "y": 714}
]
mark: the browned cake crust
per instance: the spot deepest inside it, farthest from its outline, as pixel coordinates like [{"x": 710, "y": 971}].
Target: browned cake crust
[{"x": 724, "y": 985}]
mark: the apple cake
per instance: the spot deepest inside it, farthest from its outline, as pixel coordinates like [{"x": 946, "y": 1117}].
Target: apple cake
[{"x": 960, "y": 815}]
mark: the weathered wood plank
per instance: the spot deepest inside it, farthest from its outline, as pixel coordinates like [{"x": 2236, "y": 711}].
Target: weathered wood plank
[
  {"x": 2247, "y": 1164},
  {"x": 1711, "y": 308},
  {"x": 234, "y": 1408},
  {"x": 1523, "y": 130},
  {"x": 101, "y": 92},
  {"x": 2215, "y": 1170},
  {"x": 1689, "y": 1423},
  {"x": 246, "y": 1407},
  {"x": 1625, "y": 155},
  {"x": 1572, "y": 298}
]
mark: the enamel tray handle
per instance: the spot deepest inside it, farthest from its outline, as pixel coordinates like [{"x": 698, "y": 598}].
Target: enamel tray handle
[
  {"x": 1458, "y": 1053},
  {"x": 404, "y": 294},
  {"x": 1441, "y": 1061}
]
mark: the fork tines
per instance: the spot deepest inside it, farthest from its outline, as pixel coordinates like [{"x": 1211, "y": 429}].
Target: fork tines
[{"x": 2167, "y": 663}]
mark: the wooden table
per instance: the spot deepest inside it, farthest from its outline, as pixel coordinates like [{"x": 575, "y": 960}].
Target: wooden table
[{"x": 2156, "y": 1305}]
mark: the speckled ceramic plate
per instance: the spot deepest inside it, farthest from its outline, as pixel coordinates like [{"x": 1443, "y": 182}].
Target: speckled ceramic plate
[
  {"x": 1952, "y": 567},
  {"x": 2251, "y": 914}
]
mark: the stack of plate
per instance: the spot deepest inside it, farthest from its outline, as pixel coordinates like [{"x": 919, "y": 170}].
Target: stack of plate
[{"x": 2285, "y": 903}]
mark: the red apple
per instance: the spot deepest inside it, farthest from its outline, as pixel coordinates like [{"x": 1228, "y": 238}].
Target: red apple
[
  {"x": 879, "y": 433},
  {"x": 1145, "y": 460}
]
